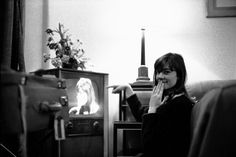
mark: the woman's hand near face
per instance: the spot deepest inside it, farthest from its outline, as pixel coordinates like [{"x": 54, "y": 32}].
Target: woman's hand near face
[
  {"x": 118, "y": 88},
  {"x": 74, "y": 110},
  {"x": 155, "y": 100}
]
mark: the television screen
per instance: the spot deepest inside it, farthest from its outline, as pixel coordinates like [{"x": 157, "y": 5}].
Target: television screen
[{"x": 83, "y": 97}]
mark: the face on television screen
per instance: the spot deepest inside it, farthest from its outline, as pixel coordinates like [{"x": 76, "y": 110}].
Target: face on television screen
[{"x": 83, "y": 97}]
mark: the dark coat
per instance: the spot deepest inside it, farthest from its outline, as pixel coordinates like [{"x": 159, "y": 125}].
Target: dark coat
[{"x": 165, "y": 133}]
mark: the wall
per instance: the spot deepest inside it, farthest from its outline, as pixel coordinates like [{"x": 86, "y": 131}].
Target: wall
[
  {"x": 36, "y": 19},
  {"x": 110, "y": 31}
]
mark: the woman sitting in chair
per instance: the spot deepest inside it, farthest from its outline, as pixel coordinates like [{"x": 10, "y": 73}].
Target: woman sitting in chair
[{"x": 166, "y": 122}]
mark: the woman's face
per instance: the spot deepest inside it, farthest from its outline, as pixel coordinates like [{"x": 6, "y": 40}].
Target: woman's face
[
  {"x": 167, "y": 76},
  {"x": 82, "y": 97}
]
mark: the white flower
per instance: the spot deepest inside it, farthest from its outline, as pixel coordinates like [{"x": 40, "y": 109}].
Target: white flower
[{"x": 56, "y": 62}]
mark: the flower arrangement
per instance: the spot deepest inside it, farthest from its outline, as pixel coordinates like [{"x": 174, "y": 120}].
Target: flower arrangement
[{"x": 69, "y": 54}]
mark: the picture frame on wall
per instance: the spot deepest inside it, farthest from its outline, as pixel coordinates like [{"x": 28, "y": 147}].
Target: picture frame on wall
[{"x": 221, "y": 8}]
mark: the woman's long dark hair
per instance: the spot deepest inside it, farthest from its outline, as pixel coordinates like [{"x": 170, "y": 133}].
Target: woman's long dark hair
[{"x": 175, "y": 62}]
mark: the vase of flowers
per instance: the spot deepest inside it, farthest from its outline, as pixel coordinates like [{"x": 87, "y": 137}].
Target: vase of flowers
[{"x": 68, "y": 53}]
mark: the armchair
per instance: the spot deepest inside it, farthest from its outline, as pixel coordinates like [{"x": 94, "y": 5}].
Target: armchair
[{"x": 213, "y": 119}]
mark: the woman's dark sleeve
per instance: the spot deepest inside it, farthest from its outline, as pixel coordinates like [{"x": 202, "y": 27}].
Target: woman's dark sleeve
[
  {"x": 154, "y": 133},
  {"x": 136, "y": 107},
  {"x": 168, "y": 129}
]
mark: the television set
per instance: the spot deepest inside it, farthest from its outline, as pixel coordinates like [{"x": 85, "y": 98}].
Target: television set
[{"x": 87, "y": 128}]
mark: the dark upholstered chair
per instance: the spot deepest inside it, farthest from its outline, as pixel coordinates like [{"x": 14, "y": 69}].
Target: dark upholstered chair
[{"x": 213, "y": 119}]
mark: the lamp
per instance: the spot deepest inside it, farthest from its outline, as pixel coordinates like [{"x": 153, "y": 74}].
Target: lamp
[{"x": 143, "y": 69}]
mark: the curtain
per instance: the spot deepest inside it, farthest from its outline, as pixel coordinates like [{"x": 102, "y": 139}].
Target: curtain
[
  {"x": 12, "y": 35},
  {"x": 12, "y": 59}
]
